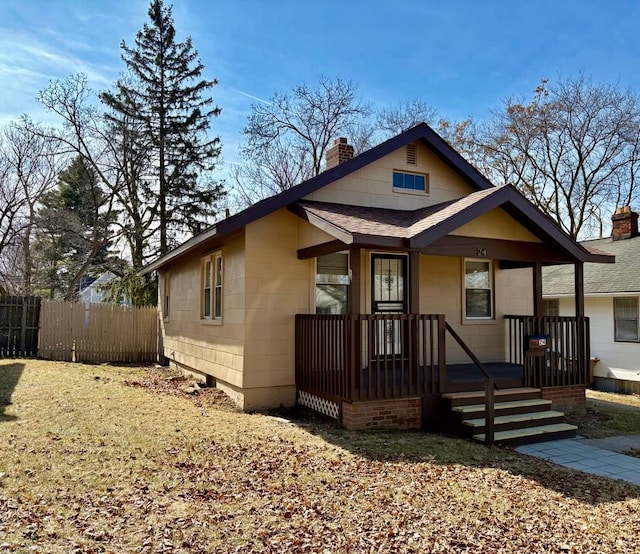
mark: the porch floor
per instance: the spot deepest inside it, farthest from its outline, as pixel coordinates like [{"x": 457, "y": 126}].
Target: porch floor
[{"x": 460, "y": 377}]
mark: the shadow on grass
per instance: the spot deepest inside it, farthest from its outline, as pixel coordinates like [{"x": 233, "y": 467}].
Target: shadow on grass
[
  {"x": 416, "y": 446},
  {"x": 10, "y": 374}
]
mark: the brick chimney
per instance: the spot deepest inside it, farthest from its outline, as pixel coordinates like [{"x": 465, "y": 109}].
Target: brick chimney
[
  {"x": 339, "y": 152},
  {"x": 625, "y": 224}
]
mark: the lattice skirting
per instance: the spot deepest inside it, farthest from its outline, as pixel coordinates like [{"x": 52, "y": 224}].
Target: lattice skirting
[{"x": 322, "y": 405}]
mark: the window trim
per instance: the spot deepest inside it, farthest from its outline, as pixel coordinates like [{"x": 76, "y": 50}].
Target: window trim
[
  {"x": 209, "y": 263},
  {"x": 479, "y": 319},
  {"x": 347, "y": 285},
  {"x": 166, "y": 295},
  {"x": 427, "y": 185},
  {"x": 615, "y": 319}
]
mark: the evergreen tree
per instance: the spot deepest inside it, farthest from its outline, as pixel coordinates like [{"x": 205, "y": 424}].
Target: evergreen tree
[
  {"x": 73, "y": 236},
  {"x": 164, "y": 100}
]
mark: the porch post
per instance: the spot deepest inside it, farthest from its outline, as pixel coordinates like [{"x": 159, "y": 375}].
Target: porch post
[
  {"x": 414, "y": 282},
  {"x": 579, "y": 288},
  {"x": 582, "y": 347},
  {"x": 537, "y": 289},
  {"x": 354, "y": 362},
  {"x": 354, "y": 272}
]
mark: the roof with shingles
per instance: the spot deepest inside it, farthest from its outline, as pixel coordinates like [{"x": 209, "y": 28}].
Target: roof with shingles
[
  {"x": 428, "y": 225},
  {"x": 621, "y": 277}
]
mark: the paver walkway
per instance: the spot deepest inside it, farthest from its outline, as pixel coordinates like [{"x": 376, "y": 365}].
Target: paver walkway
[{"x": 579, "y": 454}]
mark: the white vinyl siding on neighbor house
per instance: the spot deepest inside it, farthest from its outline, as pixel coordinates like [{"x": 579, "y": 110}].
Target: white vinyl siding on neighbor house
[
  {"x": 625, "y": 315},
  {"x": 478, "y": 289},
  {"x": 212, "y": 275}
]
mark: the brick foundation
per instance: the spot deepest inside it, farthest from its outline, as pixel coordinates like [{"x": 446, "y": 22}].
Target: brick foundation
[
  {"x": 566, "y": 399},
  {"x": 403, "y": 413}
]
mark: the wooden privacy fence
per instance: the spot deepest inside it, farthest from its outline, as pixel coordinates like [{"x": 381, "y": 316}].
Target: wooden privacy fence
[
  {"x": 98, "y": 333},
  {"x": 19, "y": 317}
]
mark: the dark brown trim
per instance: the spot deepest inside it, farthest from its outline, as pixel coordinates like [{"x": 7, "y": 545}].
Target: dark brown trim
[
  {"x": 508, "y": 198},
  {"x": 355, "y": 261},
  {"x": 495, "y": 249},
  {"x": 414, "y": 282},
  {"x": 537, "y": 290},
  {"x": 579, "y": 289},
  {"x": 321, "y": 249}
]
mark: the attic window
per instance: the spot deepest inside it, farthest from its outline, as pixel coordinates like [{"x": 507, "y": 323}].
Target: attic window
[
  {"x": 412, "y": 154},
  {"x": 404, "y": 181}
]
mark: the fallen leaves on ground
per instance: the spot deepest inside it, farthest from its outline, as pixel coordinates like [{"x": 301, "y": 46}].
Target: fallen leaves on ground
[{"x": 159, "y": 470}]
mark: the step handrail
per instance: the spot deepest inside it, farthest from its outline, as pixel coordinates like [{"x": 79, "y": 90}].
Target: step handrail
[{"x": 490, "y": 386}]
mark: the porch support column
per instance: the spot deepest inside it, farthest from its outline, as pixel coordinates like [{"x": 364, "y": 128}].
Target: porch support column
[
  {"x": 579, "y": 288},
  {"x": 354, "y": 272},
  {"x": 414, "y": 282},
  {"x": 537, "y": 289}
]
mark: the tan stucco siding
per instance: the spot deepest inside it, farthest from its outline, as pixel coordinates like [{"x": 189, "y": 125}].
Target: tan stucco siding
[
  {"x": 372, "y": 185},
  {"x": 277, "y": 288},
  {"x": 211, "y": 348},
  {"x": 441, "y": 292},
  {"x": 496, "y": 224}
]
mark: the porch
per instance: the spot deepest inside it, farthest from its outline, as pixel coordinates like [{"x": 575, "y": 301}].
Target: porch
[{"x": 342, "y": 360}]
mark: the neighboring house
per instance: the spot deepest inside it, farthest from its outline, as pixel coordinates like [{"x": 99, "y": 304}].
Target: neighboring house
[
  {"x": 612, "y": 295},
  {"x": 346, "y": 292},
  {"x": 90, "y": 289}
]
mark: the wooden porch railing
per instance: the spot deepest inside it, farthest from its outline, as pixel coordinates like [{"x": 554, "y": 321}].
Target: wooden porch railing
[
  {"x": 370, "y": 356},
  {"x": 564, "y": 362}
]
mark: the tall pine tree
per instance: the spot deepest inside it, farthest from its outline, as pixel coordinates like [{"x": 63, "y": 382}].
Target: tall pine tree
[
  {"x": 165, "y": 98},
  {"x": 73, "y": 236}
]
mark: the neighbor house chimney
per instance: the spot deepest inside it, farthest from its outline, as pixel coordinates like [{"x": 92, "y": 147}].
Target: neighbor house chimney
[
  {"x": 339, "y": 152},
  {"x": 625, "y": 224}
]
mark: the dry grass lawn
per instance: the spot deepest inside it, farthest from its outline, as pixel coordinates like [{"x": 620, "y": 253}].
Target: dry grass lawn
[
  {"x": 608, "y": 415},
  {"x": 108, "y": 459}
]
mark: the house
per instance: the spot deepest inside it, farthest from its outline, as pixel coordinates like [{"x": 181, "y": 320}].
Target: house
[
  {"x": 612, "y": 294},
  {"x": 91, "y": 292},
  {"x": 373, "y": 289}
]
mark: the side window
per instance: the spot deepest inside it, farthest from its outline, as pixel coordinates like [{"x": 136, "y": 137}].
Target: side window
[
  {"x": 212, "y": 272},
  {"x": 332, "y": 283},
  {"x": 625, "y": 315},
  {"x": 478, "y": 289},
  {"x": 551, "y": 307},
  {"x": 166, "y": 292}
]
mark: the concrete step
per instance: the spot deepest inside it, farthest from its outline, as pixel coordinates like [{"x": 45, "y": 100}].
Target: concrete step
[
  {"x": 515, "y": 421},
  {"x": 477, "y": 396},
  {"x": 474, "y": 411},
  {"x": 531, "y": 435}
]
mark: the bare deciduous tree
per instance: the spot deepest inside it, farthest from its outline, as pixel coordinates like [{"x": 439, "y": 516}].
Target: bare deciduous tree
[
  {"x": 30, "y": 164},
  {"x": 572, "y": 150},
  {"x": 287, "y": 137}
]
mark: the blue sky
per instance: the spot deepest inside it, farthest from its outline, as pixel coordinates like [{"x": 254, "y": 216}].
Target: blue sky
[{"x": 462, "y": 57}]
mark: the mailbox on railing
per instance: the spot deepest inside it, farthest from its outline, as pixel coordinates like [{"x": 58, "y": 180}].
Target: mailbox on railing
[{"x": 537, "y": 345}]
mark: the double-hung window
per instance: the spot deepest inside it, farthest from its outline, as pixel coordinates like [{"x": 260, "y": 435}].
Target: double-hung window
[
  {"x": 212, "y": 276},
  {"x": 478, "y": 289},
  {"x": 332, "y": 283},
  {"x": 625, "y": 315}
]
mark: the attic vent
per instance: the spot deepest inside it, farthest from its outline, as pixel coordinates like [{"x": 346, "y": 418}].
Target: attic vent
[{"x": 412, "y": 154}]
